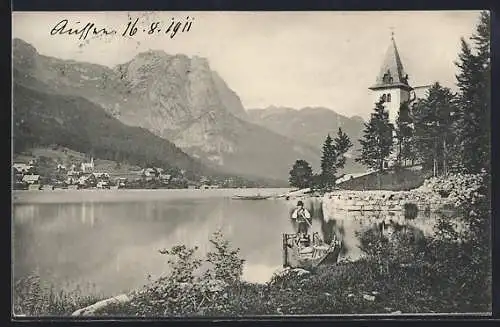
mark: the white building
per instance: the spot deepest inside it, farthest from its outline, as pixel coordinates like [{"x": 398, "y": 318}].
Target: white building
[
  {"x": 31, "y": 179},
  {"x": 392, "y": 86},
  {"x": 101, "y": 175},
  {"x": 88, "y": 166},
  {"x": 22, "y": 167}
]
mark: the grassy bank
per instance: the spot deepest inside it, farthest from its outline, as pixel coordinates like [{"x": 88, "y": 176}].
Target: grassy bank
[
  {"x": 34, "y": 297},
  {"x": 402, "y": 272}
]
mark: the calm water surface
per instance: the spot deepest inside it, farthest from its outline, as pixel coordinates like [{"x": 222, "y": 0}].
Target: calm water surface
[{"x": 110, "y": 239}]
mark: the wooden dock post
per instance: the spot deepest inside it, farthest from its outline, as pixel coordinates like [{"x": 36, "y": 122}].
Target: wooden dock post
[{"x": 285, "y": 251}]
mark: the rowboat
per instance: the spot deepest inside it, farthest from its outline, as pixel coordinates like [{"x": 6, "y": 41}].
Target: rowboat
[
  {"x": 301, "y": 252},
  {"x": 251, "y": 197}
]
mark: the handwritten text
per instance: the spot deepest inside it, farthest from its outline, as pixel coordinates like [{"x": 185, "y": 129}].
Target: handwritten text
[{"x": 130, "y": 29}]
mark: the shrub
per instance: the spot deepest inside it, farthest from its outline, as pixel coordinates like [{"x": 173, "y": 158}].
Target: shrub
[
  {"x": 453, "y": 268},
  {"x": 191, "y": 288},
  {"x": 34, "y": 297}
]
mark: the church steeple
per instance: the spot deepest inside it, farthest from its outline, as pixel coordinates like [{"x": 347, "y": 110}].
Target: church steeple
[
  {"x": 392, "y": 73},
  {"x": 391, "y": 84}
]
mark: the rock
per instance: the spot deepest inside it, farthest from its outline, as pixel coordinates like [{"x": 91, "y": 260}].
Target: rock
[
  {"x": 369, "y": 297},
  {"x": 375, "y": 293},
  {"x": 396, "y": 313},
  {"x": 300, "y": 271},
  {"x": 327, "y": 294},
  {"x": 350, "y": 295},
  {"x": 91, "y": 309},
  {"x": 282, "y": 273}
]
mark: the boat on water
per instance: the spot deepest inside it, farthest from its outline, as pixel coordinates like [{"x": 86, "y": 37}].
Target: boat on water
[
  {"x": 251, "y": 197},
  {"x": 300, "y": 251}
]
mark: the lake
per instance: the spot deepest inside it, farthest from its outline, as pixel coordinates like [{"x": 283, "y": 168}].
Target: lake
[{"x": 109, "y": 240}]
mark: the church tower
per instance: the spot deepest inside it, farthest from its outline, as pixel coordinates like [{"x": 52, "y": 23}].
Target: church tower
[{"x": 392, "y": 82}]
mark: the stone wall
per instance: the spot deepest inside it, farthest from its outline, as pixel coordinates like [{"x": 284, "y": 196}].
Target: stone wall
[{"x": 384, "y": 201}]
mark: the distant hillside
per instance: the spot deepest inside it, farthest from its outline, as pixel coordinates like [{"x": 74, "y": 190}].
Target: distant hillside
[
  {"x": 73, "y": 122},
  {"x": 311, "y": 125},
  {"x": 175, "y": 97}
]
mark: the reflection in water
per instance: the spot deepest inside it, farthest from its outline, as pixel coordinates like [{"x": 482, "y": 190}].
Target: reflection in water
[
  {"x": 348, "y": 224},
  {"x": 115, "y": 244}
]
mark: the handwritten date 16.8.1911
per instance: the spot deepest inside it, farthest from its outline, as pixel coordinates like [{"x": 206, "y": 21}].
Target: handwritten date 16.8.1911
[
  {"x": 171, "y": 28},
  {"x": 131, "y": 29}
]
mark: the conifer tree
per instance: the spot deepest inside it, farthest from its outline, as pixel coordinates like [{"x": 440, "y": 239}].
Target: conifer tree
[
  {"x": 328, "y": 163},
  {"x": 404, "y": 135},
  {"x": 377, "y": 139},
  {"x": 474, "y": 99},
  {"x": 301, "y": 175},
  {"x": 434, "y": 133},
  {"x": 342, "y": 145}
]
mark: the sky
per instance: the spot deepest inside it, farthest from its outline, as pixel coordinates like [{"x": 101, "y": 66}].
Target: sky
[{"x": 291, "y": 59}]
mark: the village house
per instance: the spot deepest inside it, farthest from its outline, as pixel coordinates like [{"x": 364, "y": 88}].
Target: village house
[
  {"x": 87, "y": 180},
  {"x": 61, "y": 167},
  {"x": 74, "y": 173},
  {"x": 121, "y": 182},
  {"x": 87, "y": 167},
  {"x": 31, "y": 179},
  {"x": 22, "y": 168},
  {"x": 150, "y": 172},
  {"x": 102, "y": 184},
  {"x": 165, "y": 178},
  {"x": 101, "y": 176},
  {"x": 71, "y": 180}
]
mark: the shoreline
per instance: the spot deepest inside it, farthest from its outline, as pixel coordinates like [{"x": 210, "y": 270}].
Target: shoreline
[{"x": 97, "y": 195}]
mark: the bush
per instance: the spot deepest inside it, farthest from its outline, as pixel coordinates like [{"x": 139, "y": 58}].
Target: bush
[
  {"x": 193, "y": 286},
  {"x": 34, "y": 297},
  {"x": 453, "y": 268}
]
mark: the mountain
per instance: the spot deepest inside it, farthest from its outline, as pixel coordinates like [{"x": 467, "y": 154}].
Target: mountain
[
  {"x": 176, "y": 98},
  {"x": 74, "y": 122},
  {"x": 311, "y": 125},
  {"x": 44, "y": 119}
]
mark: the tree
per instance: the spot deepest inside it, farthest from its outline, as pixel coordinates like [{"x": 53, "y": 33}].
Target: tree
[
  {"x": 301, "y": 175},
  {"x": 342, "y": 145},
  {"x": 404, "y": 135},
  {"x": 328, "y": 163},
  {"x": 377, "y": 139},
  {"x": 434, "y": 133},
  {"x": 474, "y": 99}
]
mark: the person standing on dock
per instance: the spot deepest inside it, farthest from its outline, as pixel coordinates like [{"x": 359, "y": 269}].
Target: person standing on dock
[{"x": 301, "y": 215}]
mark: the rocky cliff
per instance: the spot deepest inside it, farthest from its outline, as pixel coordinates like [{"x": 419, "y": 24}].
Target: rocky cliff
[{"x": 177, "y": 98}]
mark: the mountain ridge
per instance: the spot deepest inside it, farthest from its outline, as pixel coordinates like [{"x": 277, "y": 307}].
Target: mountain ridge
[
  {"x": 178, "y": 98},
  {"x": 311, "y": 125}
]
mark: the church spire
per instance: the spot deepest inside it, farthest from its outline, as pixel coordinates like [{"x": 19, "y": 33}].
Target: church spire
[{"x": 391, "y": 73}]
